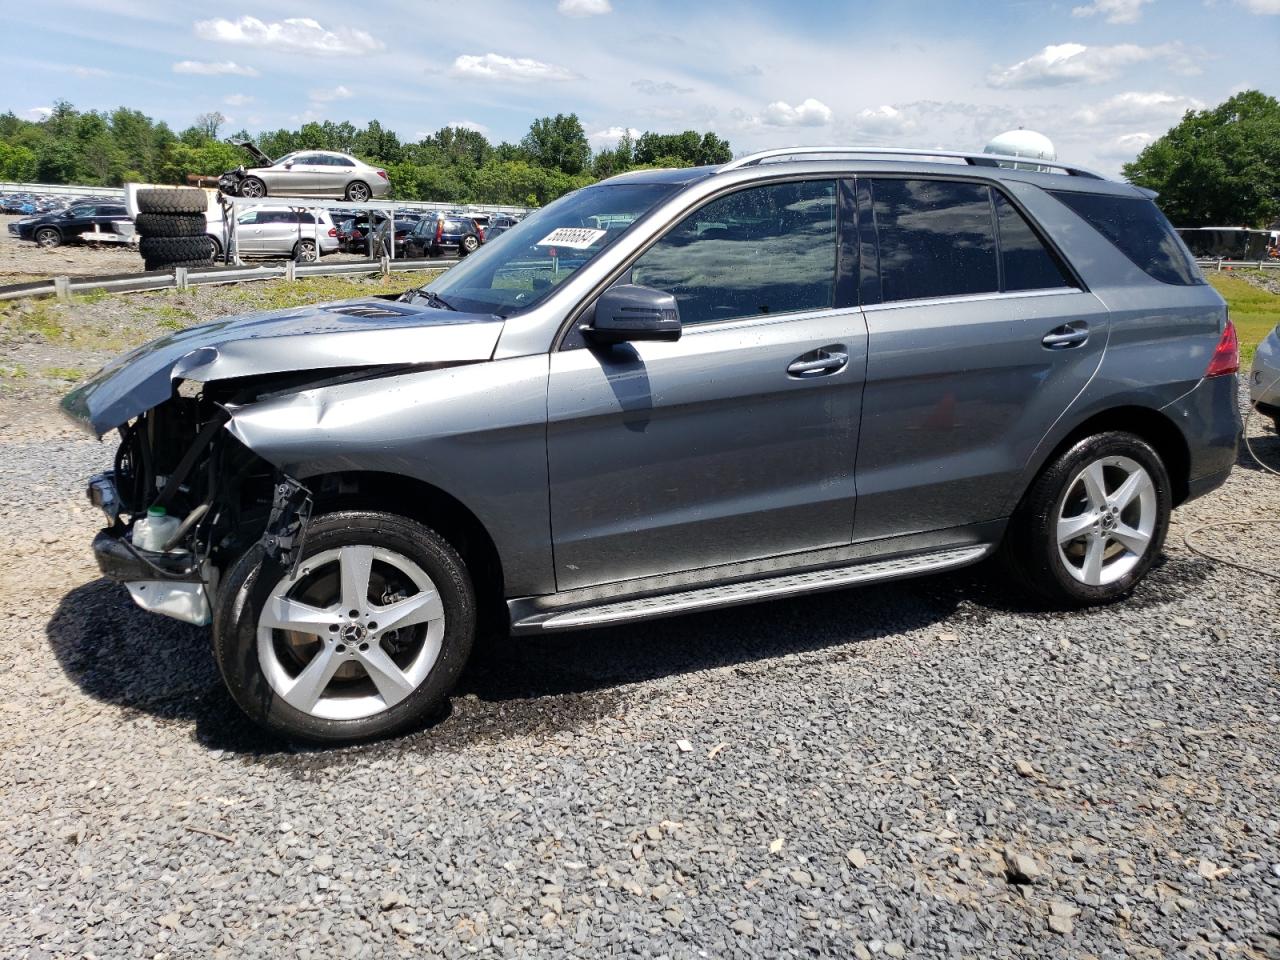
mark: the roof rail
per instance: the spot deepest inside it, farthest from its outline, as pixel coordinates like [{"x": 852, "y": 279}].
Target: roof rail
[{"x": 973, "y": 159}]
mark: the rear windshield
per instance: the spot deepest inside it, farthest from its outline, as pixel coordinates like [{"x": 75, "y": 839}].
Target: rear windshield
[
  {"x": 1137, "y": 228},
  {"x": 546, "y": 248}
]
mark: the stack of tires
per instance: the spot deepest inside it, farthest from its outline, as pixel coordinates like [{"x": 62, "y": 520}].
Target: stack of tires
[{"x": 171, "y": 222}]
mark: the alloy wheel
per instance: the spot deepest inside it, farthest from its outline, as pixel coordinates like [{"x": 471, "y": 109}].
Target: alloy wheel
[
  {"x": 1106, "y": 520},
  {"x": 353, "y": 634},
  {"x": 358, "y": 192}
]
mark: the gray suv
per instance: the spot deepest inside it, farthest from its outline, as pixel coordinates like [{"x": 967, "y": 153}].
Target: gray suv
[{"x": 675, "y": 390}]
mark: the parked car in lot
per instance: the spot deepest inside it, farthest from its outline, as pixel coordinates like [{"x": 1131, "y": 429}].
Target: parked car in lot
[
  {"x": 799, "y": 371},
  {"x": 437, "y": 234},
  {"x": 1264, "y": 378},
  {"x": 306, "y": 173},
  {"x": 303, "y": 235},
  {"x": 65, "y": 226},
  {"x": 498, "y": 226}
]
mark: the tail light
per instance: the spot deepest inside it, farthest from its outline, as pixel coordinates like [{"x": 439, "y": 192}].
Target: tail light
[
  {"x": 382, "y": 174},
  {"x": 439, "y": 230},
  {"x": 333, "y": 231},
  {"x": 1226, "y": 357},
  {"x": 480, "y": 232}
]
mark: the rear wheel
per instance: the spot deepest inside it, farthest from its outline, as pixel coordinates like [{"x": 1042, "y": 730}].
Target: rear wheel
[
  {"x": 1092, "y": 523},
  {"x": 366, "y": 640},
  {"x": 48, "y": 237},
  {"x": 358, "y": 191},
  {"x": 304, "y": 251}
]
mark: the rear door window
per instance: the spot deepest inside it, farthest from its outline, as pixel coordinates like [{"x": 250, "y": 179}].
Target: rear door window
[
  {"x": 936, "y": 238},
  {"x": 764, "y": 250},
  {"x": 1136, "y": 227},
  {"x": 1025, "y": 262}
]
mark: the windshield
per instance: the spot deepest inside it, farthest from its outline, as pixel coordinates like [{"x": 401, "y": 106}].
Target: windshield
[{"x": 546, "y": 248}]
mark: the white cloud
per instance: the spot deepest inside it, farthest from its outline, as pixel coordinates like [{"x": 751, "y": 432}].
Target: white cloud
[
  {"x": 608, "y": 138},
  {"x": 810, "y": 113},
  {"x": 90, "y": 72},
  {"x": 494, "y": 66},
  {"x": 1137, "y": 108},
  {"x": 1116, "y": 11},
  {"x": 237, "y": 99},
  {"x": 664, "y": 88},
  {"x": 328, "y": 95},
  {"x": 1065, "y": 63},
  {"x": 294, "y": 35},
  {"x": 468, "y": 125},
  {"x": 209, "y": 69},
  {"x": 881, "y": 121},
  {"x": 1125, "y": 147},
  {"x": 584, "y": 8},
  {"x": 39, "y": 113},
  {"x": 1264, "y": 7}
]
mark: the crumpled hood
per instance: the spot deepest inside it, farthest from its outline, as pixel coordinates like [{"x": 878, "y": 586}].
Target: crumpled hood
[{"x": 367, "y": 332}]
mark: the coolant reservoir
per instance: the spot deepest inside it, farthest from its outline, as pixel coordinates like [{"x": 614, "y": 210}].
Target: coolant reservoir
[{"x": 154, "y": 530}]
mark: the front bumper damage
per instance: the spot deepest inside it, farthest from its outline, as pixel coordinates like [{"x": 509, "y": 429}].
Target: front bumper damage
[{"x": 174, "y": 583}]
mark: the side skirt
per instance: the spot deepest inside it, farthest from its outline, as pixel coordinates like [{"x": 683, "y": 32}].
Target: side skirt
[{"x": 660, "y": 597}]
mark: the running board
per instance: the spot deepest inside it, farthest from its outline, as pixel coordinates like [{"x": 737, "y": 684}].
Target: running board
[{"x": 751, "y": 591}]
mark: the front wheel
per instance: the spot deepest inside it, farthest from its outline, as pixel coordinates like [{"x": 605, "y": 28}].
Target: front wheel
[
  {"x": 1092, "y": 523},
  {"x": 253, "y": 188},
  {"x": 366, "y": 640},
  {"x": 48, "y": 237}
]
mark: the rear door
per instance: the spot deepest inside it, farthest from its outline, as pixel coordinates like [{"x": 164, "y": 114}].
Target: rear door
[
  {"x": 979, "y": 339},
  {"x": 736, "y": 442}
]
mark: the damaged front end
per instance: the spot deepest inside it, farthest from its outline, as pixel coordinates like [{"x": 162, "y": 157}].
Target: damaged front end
[
  {"x": 175, "y": 403},
  {"x": 178, "y": 458}
]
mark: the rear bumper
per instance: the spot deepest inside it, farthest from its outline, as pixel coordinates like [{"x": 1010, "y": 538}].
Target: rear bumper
[{"x": 1209, "y": 418}]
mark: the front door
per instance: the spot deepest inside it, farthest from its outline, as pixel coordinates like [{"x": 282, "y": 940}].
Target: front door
[
  {"x": 737, "y": 442},
  {"x": 981, "y": 339}
]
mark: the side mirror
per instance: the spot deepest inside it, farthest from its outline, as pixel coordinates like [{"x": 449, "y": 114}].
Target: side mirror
[
  {"x": 289, "y": 165},
  {"x": 630, "y": 312}
]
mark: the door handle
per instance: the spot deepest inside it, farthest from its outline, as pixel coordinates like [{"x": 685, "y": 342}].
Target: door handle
[
  {"x": 822, "y": 361},
  {"x": 1067, "y": 335}
]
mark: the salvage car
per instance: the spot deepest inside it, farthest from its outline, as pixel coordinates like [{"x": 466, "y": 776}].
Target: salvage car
[
  {"x": 802, "y": 370},
  {"x": 306, "y": 173},
  {"x": 65, "y": 226}
]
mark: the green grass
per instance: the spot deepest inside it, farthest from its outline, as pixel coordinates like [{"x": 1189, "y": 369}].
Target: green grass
[
  {"x": 69, "y": 374},
  {"x": 1254, "y": 311}
]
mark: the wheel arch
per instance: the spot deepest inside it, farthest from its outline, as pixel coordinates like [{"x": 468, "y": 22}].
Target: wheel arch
[
  {"x": 1153, "y": 426},
  {"x": 427, "y": 504}
]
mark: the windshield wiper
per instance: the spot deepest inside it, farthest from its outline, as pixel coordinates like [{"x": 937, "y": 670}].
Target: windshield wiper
[{"x": 436, "y": 300}]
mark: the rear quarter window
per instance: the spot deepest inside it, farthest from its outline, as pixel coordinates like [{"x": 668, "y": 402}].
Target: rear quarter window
[{"x": 1136, "y": 227}]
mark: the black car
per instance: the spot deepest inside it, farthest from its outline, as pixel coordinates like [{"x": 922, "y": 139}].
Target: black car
[
  {"x": 437, "y": 234},
  {"x": 65, "y": 226}
]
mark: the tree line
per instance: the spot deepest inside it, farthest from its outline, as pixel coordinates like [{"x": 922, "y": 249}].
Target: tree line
[{"x": 453, "y": 165}]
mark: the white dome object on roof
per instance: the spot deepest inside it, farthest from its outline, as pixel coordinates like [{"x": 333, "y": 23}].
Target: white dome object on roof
[{"x": 1023, "y": 143}]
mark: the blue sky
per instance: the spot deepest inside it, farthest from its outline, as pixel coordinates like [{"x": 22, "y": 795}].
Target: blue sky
[{"x": 1099, "y": 77}]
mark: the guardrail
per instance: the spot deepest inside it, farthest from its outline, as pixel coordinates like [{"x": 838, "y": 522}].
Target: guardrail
[
  {"x": 435, "y": 206},
  {"x": 1220, "y": 265},
  {"x": 181, "y": 278}
]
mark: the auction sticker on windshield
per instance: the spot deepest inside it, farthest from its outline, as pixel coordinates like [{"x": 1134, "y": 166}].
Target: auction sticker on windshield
[{"x": 575, "y": 238}]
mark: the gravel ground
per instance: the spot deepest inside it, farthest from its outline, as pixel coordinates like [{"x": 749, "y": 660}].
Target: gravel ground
[{"x": 927, "y": 769}]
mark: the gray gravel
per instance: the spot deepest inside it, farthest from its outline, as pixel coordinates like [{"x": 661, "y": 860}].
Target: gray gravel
[{"x": 928, "y": 769}]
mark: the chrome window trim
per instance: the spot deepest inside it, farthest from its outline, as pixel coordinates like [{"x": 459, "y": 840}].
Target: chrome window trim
[{"x": 976, "y": 298}]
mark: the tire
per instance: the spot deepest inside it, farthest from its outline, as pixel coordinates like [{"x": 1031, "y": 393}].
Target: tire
[
  {"x": 170, "y": 225},
  {"x": 1100, "y": 562},
  {"x": 154, "y": 265},
  {"x": 176, "y": 249},
  {"x": 469, "y": 245},
  {"x": 172, "y": 200},
  {"x": 256, "y": 657},
  {"x": 1275, "y": 423},
  {"x": 252, "y": 187},
  {"x": 358, "y": 191},
  {"x": 306, "y": 251},
  {"x": 47, "y": 237}
]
